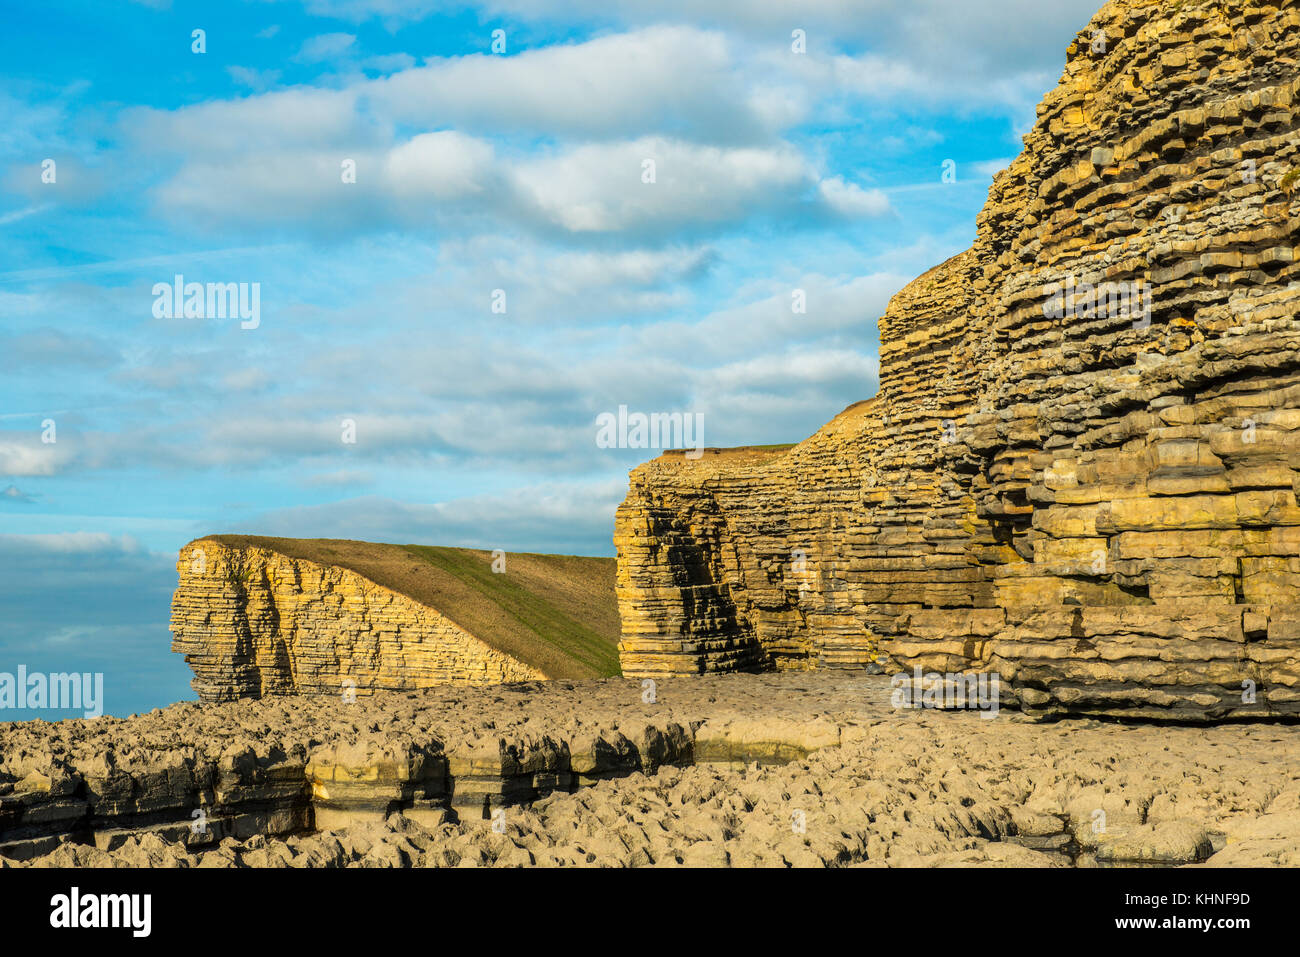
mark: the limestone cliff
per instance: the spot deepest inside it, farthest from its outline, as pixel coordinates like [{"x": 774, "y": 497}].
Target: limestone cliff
[
  {"x": 1080, "y": 471},
  {"x": 253, "y": 621}
]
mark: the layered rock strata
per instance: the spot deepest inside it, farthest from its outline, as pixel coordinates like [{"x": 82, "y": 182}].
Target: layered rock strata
[
  {"x": 1080, "y": 470},
  {"x": 252, "y": 622}
]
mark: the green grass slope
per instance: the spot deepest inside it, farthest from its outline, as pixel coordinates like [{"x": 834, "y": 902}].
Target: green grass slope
[{"x": 555, "y": 612}]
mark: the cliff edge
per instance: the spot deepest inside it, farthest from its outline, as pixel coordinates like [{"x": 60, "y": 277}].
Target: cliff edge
[
  {"x": 269, "y": 616},
  {"x": 1080, "y": 471}
]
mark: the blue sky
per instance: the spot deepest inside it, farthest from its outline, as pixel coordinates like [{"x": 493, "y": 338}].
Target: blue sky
[{"x": 476, "y": 170}]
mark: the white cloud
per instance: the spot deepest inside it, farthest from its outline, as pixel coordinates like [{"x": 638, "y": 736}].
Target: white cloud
[
  {"x": 439, "y": 166},
  {"x": 600, "y": 187},
  {"x": 23, "y": 454},
  {"x": 554, "y": 138},
  {"x": 525, "y": 173},
  {"x": 244, "y": 128},
  {"x": 325, "y": 47},
  {"x": 454, "y": 180},
  {"x": 618, "y": 85},
  {"x": 850, "y": 199}
]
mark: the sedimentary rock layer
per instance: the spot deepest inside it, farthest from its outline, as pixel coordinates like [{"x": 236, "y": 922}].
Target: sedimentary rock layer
[
  {"x": 252, "y": 621},
  {"x": 741, "y": 770},
  {"x": 1081, "y": 467}
]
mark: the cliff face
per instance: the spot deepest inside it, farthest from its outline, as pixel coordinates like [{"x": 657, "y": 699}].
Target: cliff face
[
  {"x": 252, "y": 622},
  {"x": 1080, "y": 471}
]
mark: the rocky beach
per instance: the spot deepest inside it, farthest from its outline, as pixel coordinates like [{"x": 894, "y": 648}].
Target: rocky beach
[{"x": 742, "y": 771}]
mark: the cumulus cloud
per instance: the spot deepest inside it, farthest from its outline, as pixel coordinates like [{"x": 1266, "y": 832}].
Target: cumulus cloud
[
  {"x": 650, "y": 188},
  {"x": 557, "y": 137},
  {"x": 615, "y": 86},
  {"x": 602, "y": 188},
  {"x": 439, "y": 167},
  {"x": 605, "y": 87}
]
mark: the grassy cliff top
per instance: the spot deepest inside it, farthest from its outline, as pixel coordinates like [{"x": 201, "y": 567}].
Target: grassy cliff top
[{"x": 554, "y": 612}]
